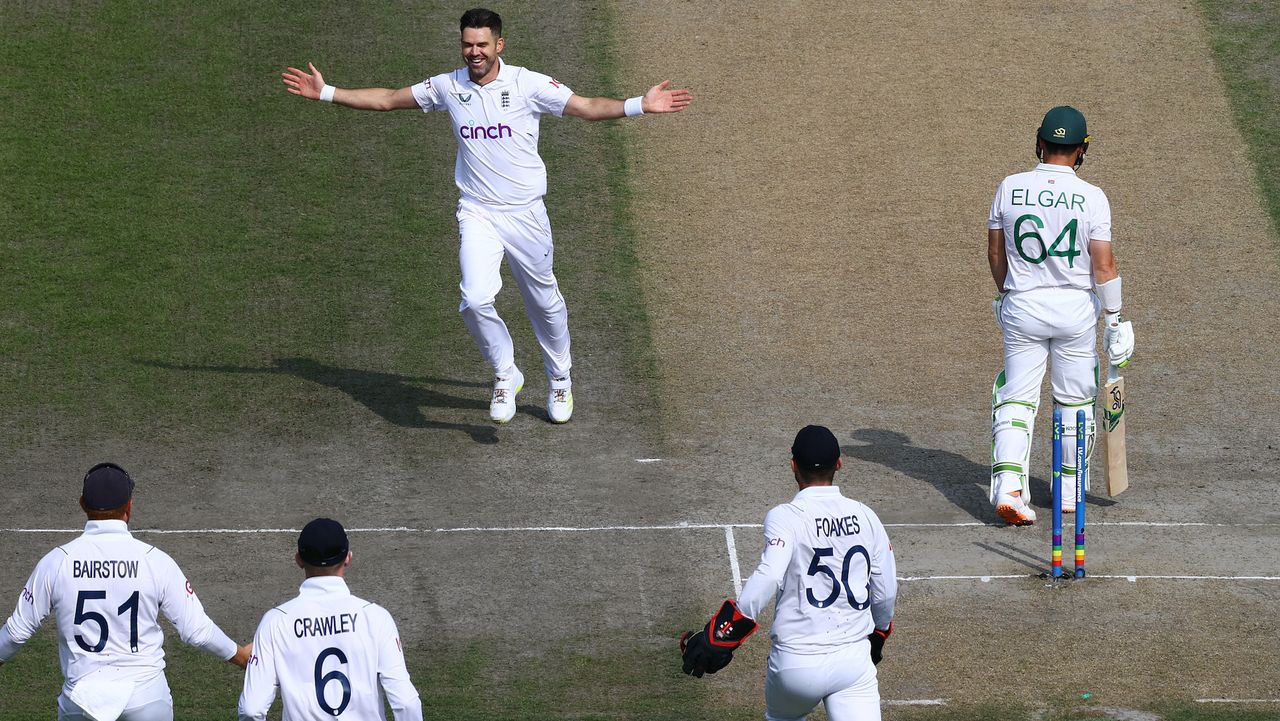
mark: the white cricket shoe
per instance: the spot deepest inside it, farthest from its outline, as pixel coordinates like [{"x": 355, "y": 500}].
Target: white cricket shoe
[
  {"x": 560, "y": 400},
  {"x": 1013, "y": 510},
  {"x": 502, "y": 408}
]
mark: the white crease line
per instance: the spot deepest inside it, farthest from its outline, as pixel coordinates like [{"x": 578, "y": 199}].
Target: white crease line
[
  {"x": 733, "y": 561},
  {"x": 648, "y": 460},
  {"x": 914, "y": 702},
  {"x": 1099, "y": 576},
  {"x": 1238, "y": 700},
  {"x": 589, "y": 529}
]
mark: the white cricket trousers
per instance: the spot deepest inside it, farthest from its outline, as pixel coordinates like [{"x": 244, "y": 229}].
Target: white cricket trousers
[
  {"x": 151, "y": 701},
  {"x": 844, "y": 681},
  {"x": 1039, "y": 325},
  {"x": 523, "y": 236},
  {"x": 1044, "y": 323}
]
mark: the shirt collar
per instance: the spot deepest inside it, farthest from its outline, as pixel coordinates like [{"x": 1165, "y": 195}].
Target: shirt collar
[
  {"x": 819, "y": 491},
  {"x": 502, "y": 76},
  {"x": 324, "y": 586},
  {"x": 1052, "y": 168},
  {"x": 94, "y": 528}
]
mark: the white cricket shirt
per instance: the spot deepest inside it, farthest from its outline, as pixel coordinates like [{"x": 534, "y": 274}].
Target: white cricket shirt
[
  {"x": 328, "y": 652},
  {"x": 1049, "y": 215},
  {"x": 829, "y": 564},
  {"x": 107, "y": 589},
  {"x": 496, "y": 126}
]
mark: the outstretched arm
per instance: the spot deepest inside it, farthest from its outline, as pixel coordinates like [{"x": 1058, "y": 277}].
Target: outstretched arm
[
  {"x": 311, "y": 86},
  {"x": 659, "y": 99}
]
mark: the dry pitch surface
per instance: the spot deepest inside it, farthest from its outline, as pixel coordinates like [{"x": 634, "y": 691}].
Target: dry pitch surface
[{"x": 812, "y": 234}]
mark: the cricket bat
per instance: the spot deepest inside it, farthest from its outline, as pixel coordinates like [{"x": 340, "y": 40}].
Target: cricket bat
[{"x": 1113, "y": 431}]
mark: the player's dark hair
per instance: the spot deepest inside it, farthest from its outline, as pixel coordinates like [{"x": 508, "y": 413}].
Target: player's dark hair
[
  {"x": 481, "y": 18},
  {"x": 817, "y": 475},
  {"x": 1060, "y": 149},
  {"x": 109, "y": 514}
]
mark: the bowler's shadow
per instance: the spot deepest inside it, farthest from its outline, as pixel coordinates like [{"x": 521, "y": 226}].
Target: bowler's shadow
[
  {"x": 957, "y": 478},
  {"x": 395, "y": 398}
]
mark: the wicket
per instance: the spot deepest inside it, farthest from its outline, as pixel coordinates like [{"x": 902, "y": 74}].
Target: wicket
[{"x": 1081, "y": 476}]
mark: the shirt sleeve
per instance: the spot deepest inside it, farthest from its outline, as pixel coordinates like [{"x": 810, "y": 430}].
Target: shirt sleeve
[
  {"x": 884, "y": 575},
  {"x": 179, "y": 604},
  {"x": 762, "y": 587},
  {"x": 545, "y": 93},
  {"x": 995, "y": 219},
  {"x": 260, "y": 680},
  {"x": 429, "y": 95},
  {"x": 1100, "y": 223},
  {"x": 34, "y": 604},
  {"x": 393, "y": 675}
]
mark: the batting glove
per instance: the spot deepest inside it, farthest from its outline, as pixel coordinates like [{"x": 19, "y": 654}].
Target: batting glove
[{"x": 1117, "y": 340}]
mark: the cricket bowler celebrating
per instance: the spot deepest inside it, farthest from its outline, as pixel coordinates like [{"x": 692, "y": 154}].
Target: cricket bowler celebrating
[
  {"x": 107, "y": 590},
  {"x": 1049, "y": 247},
  {"x": 495, "y": 108},
  {"x": 328, "y": 651},
  {"x": 828, "y": 564}
]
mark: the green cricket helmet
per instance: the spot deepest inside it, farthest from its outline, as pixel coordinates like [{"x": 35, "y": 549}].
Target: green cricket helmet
[{"x": 1064, "y": 125}]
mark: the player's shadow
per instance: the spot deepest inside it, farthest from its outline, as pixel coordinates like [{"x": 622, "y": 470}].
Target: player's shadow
[
  {"x": 957, "y": 478},
  {"x": 395, "y": 398}
]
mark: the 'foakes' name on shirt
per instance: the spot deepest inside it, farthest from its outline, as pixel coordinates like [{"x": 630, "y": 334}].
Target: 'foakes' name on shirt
[{"x": 496, "y": 126}]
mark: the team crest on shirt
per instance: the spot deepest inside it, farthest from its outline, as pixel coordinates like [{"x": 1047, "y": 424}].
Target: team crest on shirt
[{"x": 506, "y": 99}]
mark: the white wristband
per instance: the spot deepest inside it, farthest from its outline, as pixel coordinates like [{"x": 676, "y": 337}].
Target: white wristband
[
  {"x": 1109, "y": 294},
  {"x": 633, "y": 107},
  {"x": 326, "y": 93}
]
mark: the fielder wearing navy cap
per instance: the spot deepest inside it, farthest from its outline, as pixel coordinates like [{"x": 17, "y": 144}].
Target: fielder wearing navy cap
[
  {"x": 323, "y": 543},
  {"x": 106, "y": 487},
  {"x": 815, "y": 447}
]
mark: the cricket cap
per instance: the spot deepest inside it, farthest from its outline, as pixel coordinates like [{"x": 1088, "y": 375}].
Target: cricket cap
[
  {"x": 815, "y": 447},
  {"x": 106, "y": 486},
  {"x": 323, "y": 542},
  {"x": 1064, "y": 125}
]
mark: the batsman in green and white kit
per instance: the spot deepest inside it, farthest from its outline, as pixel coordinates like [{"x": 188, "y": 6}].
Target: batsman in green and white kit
[{"x": 1049, "y": 246}]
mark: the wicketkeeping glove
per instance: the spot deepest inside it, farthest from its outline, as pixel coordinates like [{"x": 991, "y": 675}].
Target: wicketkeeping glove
[
  {"x": 877, "y": 638},
  {"x": 1117, "y": 340},
  {"x": 711, "y": 649},
  {"x": 995, "y": 309}
]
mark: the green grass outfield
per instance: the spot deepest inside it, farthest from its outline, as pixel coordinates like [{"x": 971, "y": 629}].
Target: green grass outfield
[{"x": 166, "y": 204}]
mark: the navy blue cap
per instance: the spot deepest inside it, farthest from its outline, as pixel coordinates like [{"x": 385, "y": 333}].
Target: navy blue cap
[
  {"x": 323, "y": 543},
  {"x": 106, "y": 486},
  {"x": 815, "y": 447}
]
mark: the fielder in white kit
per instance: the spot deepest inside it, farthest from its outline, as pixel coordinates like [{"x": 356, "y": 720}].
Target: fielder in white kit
[
  {"x": 107, "y": 590},
  {"x": 829, "y": 566},
  {"x": 495, "y": 109},
  {"x": 1049, "y": 248},
  {"x": 330, "y": 653}
]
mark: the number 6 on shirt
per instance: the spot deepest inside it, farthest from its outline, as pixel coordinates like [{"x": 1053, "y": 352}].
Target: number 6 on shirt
[{"x": 816, "y": 567}]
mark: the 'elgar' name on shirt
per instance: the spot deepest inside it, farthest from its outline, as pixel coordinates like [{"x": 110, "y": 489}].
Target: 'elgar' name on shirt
[{"x": 324, "y": 625}]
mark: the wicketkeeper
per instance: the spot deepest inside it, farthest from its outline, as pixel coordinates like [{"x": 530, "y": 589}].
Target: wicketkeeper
[{"x": 828, "y": 563}]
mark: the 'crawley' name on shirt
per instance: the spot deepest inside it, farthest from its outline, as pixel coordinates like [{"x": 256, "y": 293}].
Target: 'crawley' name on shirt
[
  {"x": 842, "y": 526},
  {"x": 104, "y": 569},
  {"x": 324, "y": 625}
]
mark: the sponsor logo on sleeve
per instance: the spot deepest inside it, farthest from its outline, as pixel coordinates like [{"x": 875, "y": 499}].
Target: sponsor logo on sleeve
[
  {"x": 190, "y": 591},
  {"x": 556, "y": 84}
]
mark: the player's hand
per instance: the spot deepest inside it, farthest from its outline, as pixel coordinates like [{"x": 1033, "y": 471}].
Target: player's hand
[
  {"x": 1117, "y": 340},
  {"x": 711, "y": 649},
  {"x": 877, "y": 638},
  {"x": 308, "y": 85},
  {"x": 243, "y": 654},
  {"x": 661, "y": 100},
  {"x": 700, "y": 656}
]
